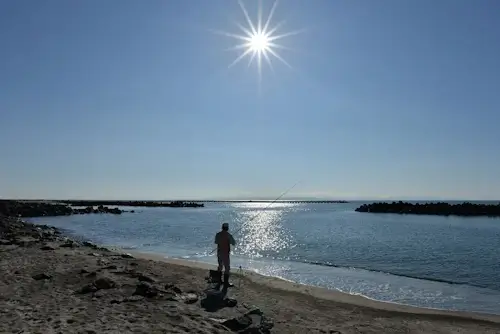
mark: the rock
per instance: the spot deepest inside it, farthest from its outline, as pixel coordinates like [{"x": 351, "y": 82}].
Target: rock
[
  {"x": 134, "y": 298},
  {"x": 190, "y": 298},
  {"x": 99, "y": 294},
  {"x": 90, "y": 244},
  {"x": 145, "y": 289},
  {"x": 84, "y": 271},
  {"x": 230, "y": 302},
  {"x": 47, "y": 247},
  {"x": 116, "y": 301},
  {"x": 239, "y": 323},
  {"x": 145, "y": 278},
  {"x": 41, "y": 276},
  {"x": 251, "y": 322},
  {"x": 87, "y": 289},
  {"x": 4, "y": 242},
  {"x": 173, "y": 288},
  {"x": 104, "y": 283},
  {"x": 127, "y": 256},
  {"x": 69, "y": 244},
  {"x": 95, "y": 254},
  {"x": 111, "y": 267},
  {"x": 92, "y": 274}
]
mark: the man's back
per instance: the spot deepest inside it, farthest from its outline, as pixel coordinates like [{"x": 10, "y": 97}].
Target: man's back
[{"x": 224, "y": 240}]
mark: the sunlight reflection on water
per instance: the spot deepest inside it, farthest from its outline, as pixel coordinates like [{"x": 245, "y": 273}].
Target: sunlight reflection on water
[{"x": 261, "y": 228}]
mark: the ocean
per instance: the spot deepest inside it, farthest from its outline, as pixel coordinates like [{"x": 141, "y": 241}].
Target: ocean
[{"x": 427, "y": 261}]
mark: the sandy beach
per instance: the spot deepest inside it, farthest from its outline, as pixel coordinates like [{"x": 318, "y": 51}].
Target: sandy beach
[{"x": 52, "y": 284}]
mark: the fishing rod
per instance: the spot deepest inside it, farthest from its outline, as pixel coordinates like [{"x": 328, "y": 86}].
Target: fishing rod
[{"x": 260, "y": 212}]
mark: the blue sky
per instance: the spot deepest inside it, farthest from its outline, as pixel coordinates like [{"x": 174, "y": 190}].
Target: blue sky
[{"x": 134, "y": 99}]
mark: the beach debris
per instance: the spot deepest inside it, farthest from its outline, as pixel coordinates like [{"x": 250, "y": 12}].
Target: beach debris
[
  {"x": 41, "y": 276},
  {"x": 95, "y": 254},
  {"x": 127, "y": 256},
  {"x": 104, "y": 283},
  {"x": 145, "y": 289}
]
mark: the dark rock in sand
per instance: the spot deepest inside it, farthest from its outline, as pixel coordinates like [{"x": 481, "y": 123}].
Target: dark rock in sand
[
  {"x": 84, "y": 271},
  {"x": 230, "y": 302},
  {"x": 89, "y": 244},
  {"x": 145, "y": 278},
  {"x": 87, "y": 289},
  {"x": 104, "y": 283},
  {"x": 69, "y": 244},
  {"x": 41, "y": 276},
  {"x": 239, "y": 323},
  {"x": 127, "y": 256},
  {"x": 173, "y": 288},
  {"x": 135, "y": 298},
  {"x": 253, "y": 321},
  {"x": 47, "y": 247},
  {"x": 111, "y": 267},
  {"x": 146, "y": 289},
  {"x": 4, "y": 242},
  {"x": 92, "y": 274}
]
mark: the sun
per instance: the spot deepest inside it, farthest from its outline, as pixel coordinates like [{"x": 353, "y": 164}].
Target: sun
[
  {"x": 259, "y": 43},
  {"x": 259, "y": 40}
]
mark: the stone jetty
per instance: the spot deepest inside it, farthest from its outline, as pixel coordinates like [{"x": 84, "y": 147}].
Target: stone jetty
[{"x": 466, "y": 209}]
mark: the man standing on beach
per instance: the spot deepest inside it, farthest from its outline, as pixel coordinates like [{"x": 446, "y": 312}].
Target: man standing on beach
[{"x": 224, "y": 240}]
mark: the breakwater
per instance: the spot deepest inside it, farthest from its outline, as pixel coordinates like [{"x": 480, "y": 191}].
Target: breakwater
[{"x": 465, "y": 209}]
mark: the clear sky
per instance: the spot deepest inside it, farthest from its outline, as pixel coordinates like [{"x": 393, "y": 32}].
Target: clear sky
[{"x": 128, "y": 99}]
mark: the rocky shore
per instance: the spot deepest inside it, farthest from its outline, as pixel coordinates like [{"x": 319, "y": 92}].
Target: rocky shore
[{"x": 466, "y": 209}]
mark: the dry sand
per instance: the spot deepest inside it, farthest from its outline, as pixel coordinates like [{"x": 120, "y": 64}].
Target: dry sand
[{"x": 50, "y": 304}]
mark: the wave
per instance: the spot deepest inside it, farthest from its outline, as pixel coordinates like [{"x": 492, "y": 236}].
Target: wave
[{"x": 423, "y": 277}]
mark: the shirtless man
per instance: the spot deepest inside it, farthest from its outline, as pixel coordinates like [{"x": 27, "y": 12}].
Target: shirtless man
[{"x": 224, "y": 240}]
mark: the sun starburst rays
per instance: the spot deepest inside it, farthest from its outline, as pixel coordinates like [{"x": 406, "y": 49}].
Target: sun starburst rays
[{"x": 258, "y": 39}]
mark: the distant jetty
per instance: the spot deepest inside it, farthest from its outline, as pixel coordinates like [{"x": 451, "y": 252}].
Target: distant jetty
[
  {"x": 465, "y": 209},
  {"x": 172, "y": 204}
]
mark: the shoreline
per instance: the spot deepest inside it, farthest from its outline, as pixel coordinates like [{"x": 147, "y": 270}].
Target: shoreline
[
  {"x": 324, "y": 293},
  {"x": 53, "y": 283}
]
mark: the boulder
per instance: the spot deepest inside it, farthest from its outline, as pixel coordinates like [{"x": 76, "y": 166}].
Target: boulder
[
  {"x": 41, "y": 276},
  {"x": 146, "y": 289}
]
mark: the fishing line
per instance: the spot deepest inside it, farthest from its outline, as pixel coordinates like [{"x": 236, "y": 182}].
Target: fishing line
[{"x": 259, "y": 213}]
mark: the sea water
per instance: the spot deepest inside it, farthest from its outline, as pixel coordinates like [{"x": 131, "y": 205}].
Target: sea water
[{"x": 426, "y": 261}]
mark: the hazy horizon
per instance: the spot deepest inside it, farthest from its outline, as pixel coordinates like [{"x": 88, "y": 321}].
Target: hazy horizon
[{"x": 364, "y": 99}]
